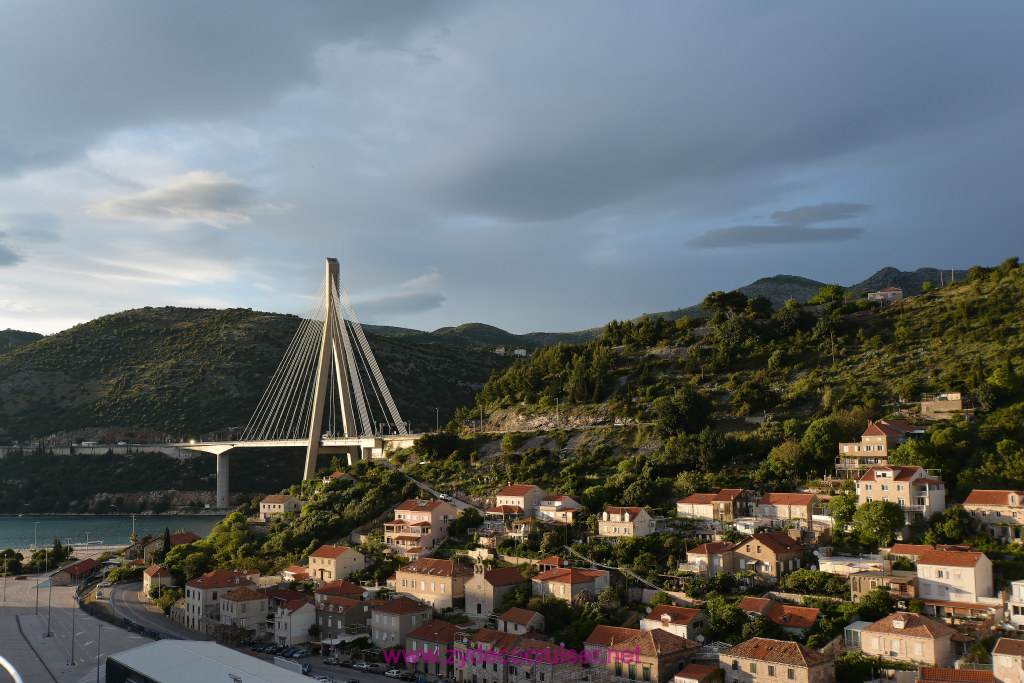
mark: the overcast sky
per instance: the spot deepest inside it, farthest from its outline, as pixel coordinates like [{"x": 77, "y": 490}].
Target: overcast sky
[{"x": 535, "y": 165}]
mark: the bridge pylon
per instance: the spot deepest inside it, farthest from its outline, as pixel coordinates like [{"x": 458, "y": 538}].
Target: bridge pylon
[{"x": 332, "y": 354}]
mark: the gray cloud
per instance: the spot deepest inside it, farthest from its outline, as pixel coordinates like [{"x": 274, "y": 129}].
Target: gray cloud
[
  {"x": 199, "y": 196},
  {"x": 399, "y": 304},
  {"x": 745, "y": 235},
  {"x": 793, "y": 228},
  {"x": 7, "y": 256},
  {"x": 827, "y": 211},
  {"x": 34, "y": 226}
]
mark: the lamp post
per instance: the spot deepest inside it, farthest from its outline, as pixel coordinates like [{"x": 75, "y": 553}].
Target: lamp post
[
  {"x": 74, "y": 608},
  {"x": 99, "y": 633},
  {"x": 35, "y": 535}
]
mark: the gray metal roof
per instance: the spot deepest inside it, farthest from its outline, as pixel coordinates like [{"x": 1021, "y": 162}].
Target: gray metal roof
[{"x": 172, "y": 661}]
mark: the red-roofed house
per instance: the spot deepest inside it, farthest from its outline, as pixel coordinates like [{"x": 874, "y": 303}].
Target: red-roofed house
[
  {"x": 338, "y": 617},
  {"x": 526, "y": 497},
  {"x": 244, "y": 608},
  {"x": 486, "y": 590},
  {"x": 567, "y": 583},
  {"x": 631, "y": 522},
  {"x": 787, "y": 506},
  {"x": 292, "y": 621},
  {"x": 710, "y": 558},
  {"x": 909, "y": 637},
  {"x": 277, "y": 505},
  {"x": 661, "y": 655},
  {"x": 392, "y": 621},
  {"x": 74, "y": 573},
  {"x": 436, "y": 582},
  {"x": 155, "y": 575},
  {"x": 913, "y": 488},
  {"x": 888, "y": 295},
  {"x": 330, "y": 562},
  {"x": 878, "y": 440},
  {"x": 560, "y": 509},
  {"x": 339, "y": 588},
  {"x": 338, "y": 476},
  {"x": 793, "y": 619},
  {"x": 764, "y": 659},
  {"x": 910, "y": 551},
  {"x": 434, "y": 639},
  {"x": 202, "y": 596},
  {"x": 996, "y": 513},
  {"x": 295, "y": 572},
  {"x": 156, "y": 544},
  {"x": 519, "y": 620},
  {"x": 685, "y": 622},
  {"x": 419, "y": 526},
  {"x": 1008, "y": 660},
  {"x": 954, "y": 576},
  {"x": 769, "y": 554},
  {"x": 723, "y": 506}
]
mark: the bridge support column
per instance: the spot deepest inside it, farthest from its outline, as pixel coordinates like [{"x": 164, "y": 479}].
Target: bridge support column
[
  {"x": 223, "y": 498},
  {"x": 353, "y": 453}
]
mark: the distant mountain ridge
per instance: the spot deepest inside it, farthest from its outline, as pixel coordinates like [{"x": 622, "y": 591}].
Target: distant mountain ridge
[{"x": 13, "y": 339}]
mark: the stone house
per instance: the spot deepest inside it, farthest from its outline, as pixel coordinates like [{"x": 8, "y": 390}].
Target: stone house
[
  {"x": 202, "y": 596},
  {"x": 155, "y": 575},
  {"x": 439, "y": 583},
  {"x": 659, "y": 656},
  {"x": 724, "y": 506},
  {"x": 769, "y": 554},
  {"x": 430, "y": 644},
  {"x": 526, "y": 497},
  {"x": 878, "y": 440},
  {"x": 486, "y": 590},
  {"x": 338, "y": 617},
  {"x": 277, "y": 505},
  {"x": 765, "y": 660},
  {"x": 1008, "y": 660},
  {"x": 919, "y": 493},
  {"x": 783, "y": 507},
  {"x": 559, "y": 509},
  {"x": 887, "y": 296},
  {"x": 946, "y": 406}
]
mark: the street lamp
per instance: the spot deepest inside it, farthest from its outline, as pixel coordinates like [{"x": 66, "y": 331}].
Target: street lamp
[
  {"x": 35, "y": 531},
  {"x": 99, "y": 633}
]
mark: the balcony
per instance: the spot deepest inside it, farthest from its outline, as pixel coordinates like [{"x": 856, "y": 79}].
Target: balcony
[{"x": 913, "y": 508}]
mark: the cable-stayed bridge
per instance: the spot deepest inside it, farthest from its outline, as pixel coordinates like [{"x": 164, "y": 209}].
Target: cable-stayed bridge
[{"x": 327, "y": 395}]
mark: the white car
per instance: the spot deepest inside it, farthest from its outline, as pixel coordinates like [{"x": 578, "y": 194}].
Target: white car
[
  {"x": 445, "y": 497},
  {"x": 105, "y": 584},
  {"x": 393, "y": 673}
]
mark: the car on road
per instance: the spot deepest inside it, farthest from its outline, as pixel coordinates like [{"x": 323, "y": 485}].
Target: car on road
[
  {"x": 306, "y": 669},
  {"x": 376, "y": 667},
  {"x": 346, "y": 662},
  {"x": 301, "y": 652},
  {"x": 105, "y": 584},
  {"x": 289, "y": 652},
  {"x": 393, "y": 673},
  {"x": 331, "y": 660},
  {"x": 407, "y": 676},
  {"x": 20, "y": 578},
  {"x": 361, "y": 666},
  {"x": 445, "y": 497}
]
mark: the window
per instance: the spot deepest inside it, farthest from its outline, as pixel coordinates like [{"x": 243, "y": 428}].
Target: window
[
  {"x": 771, "y": 670},
  {"x": 790, "y": 674},
  {"x": 735, "y": 665},
  {"x": 632, "y": 672},
  {"x": 618, "y": 668},
  {"x": 511, "y": 671},
  {"x": 753, "y": 667},
  {"x": 647, "y": 673}
]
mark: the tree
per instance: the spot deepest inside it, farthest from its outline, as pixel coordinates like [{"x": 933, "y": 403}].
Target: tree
[
  {"x": 760, "y": 307},
  {"x": 785, "y": 460},
  {"x": 842, "y": 507},
  {"x": 875, "y": 604},
  {"x": 920, "y": 453},
  {"x": 167, "y": 541},
  {"x": 878, "y": 522},
  {"x": 820, "y": 443},
  {"x": 827, "y": 294},
  {"x": 661, "y": 598},
  {"x": 725, "y": 618}
]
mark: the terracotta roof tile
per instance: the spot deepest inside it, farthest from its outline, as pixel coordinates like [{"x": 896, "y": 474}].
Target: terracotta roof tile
[
  {"x": 987, "y": 497},
  {"x": 696, "y": 672},
  {"x": 605, "y": 636},
  {"x": 417, "y": 505},
  {"x": 950, "y": 558},
  {"x": 569, "y": 575},
  {"x": 293, "y": 606},
  {"x": 436, "y": 631},
  {"x": 777, "y": 651},
  {"x": 786, "y": 499},
  {"x": 674, "y": 615},
  {"x": 340, "y": 587},
  {"x": 792, "y": 616},
  {"x": 518, "y": 615},
  {"x": 277, "y": 498},
  {"x": 758, "y": 605},
  {"x": 1009, "y": 646},
  {"x": 776, "y": 541},
  {"x": 931, "y": 674},
  {"x": 242, "y": 594},
  {"x": 713, "y": 548},
  {"x": 698, "y": 499},
  {"x": 517, "y": 490},
  {"x": 728, "y": 494},
  {"x": 434, "y": 567},
  {"x": 401, "y": 605},
  {"x": 909, "y": 549},
  {"x": 657, "y": 643},
  {"x": 913, "y": 625},
  {"x": 505, "y": 576},
  {"x": 156, "y": 570},
  {"x": 332, "y": 552}
]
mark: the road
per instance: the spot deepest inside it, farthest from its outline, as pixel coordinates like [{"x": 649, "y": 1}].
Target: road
[
  {"x": 459, "y": 504},
  {"x": 128, "y": 601},
  {"x": 23, "y": 638}
]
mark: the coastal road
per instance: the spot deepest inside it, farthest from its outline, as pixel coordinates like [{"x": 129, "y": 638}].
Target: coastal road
[{"x": 128, "y": 601}]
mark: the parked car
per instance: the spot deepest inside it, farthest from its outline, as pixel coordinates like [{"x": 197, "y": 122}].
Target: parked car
[
  {"x": 331, "y": 660},
  {"x": 393, "y": 673},
  {"x": 20, "y": 578},
  {"x": 346, "y": 662},
  {"x": 376, "y": 667},
  {"x": 445, "y": 497},
  {"x": 306, "y": 669},
  {"x": 407, "y": 676},
  {"x": 289, "y": 652},
  {"x": 301, "y": 652},
  {"x": 361, "y": 666}
]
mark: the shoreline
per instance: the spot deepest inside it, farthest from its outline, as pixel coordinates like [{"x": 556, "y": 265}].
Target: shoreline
[{"x": 81, "y": 552}]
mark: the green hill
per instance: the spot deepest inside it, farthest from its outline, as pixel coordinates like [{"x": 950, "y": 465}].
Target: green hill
[
  {"x": 13, "y": 339},
  {"x": 191, "y": 371}
]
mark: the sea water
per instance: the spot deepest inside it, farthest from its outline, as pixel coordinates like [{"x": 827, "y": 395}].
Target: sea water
[{"x": 21, "y": 532}]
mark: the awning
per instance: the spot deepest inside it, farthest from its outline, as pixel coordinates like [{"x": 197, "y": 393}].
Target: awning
[{"x": 331, "y": 641}]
